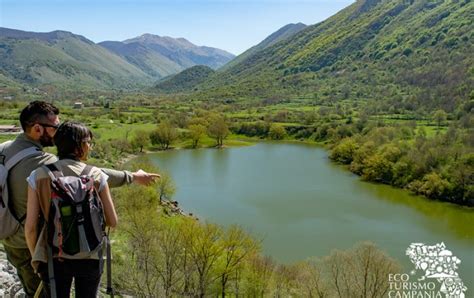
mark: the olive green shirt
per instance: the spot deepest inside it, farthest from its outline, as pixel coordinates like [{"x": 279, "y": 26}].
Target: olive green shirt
[{"x": 18, "y": 186}]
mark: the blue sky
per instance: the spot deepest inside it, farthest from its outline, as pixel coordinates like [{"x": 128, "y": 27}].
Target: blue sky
[{"x": 230, "y": 25}]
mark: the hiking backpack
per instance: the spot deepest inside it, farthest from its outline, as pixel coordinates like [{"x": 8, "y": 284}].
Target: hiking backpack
[
  {"x": 9, "y": 220},
  {"x": 76, "y": 221}
]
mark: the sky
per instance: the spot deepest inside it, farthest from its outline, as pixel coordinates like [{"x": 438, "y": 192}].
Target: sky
[{"x": 231, "y": 25}]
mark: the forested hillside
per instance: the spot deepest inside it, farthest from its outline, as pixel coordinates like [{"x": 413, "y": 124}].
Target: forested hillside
[
  {"x": 284, "y": 32},
  {"x": 412, "y": 54},
  {"x": 185, "y": 80}
]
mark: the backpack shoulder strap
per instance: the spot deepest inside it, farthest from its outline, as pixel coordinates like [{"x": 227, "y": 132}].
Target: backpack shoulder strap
[
  {"x": 5, "y": 145},
  {"x": 53, "y": 172},
  {"x": 12, "y": 161},
  {"x": 87, "y": 170}
]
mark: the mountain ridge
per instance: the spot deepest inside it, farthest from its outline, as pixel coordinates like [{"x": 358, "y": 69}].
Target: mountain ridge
[
  {"x": 179, "y": 51},
  {"x": 277, "y": 36},
  {"x": 412, "y": 53},
  {"x": 64, "y": 59},
  {"x": 69, "y": 60}
]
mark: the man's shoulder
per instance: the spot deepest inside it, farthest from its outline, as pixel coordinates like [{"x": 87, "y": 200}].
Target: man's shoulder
[
  {"x": 12, "y": 147},
  {"x": 43, "y": 158},
  {"x": 30, "y": 163}
]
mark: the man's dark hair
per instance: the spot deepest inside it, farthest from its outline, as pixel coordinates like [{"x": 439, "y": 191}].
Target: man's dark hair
[
  {"x": 69, "y": 139},
  {"x": 35, "y": 112}
]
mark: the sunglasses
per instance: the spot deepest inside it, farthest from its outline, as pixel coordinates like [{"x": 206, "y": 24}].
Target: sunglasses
[
  {"x": 55, "y": 126},
  {"x": 90, "y": 142}
]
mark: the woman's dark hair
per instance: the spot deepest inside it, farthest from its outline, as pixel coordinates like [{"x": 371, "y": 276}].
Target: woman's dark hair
[
  {"x": 36, "y": 111},
  {"x": 69, "y": 139}
]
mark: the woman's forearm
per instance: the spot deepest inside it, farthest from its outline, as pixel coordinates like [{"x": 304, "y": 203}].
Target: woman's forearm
[
  {"x": 109, "y": 208},
  {"x": 31, "y": 222},
  {"x": 30, "y": 235}
]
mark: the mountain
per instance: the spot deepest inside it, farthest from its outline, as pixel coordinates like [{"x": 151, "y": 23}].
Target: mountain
[
  {"x": 64, "y": 59},
  {"x": 185, "y": 80},
  {"x": 281, "y": 34},
  {"x": 162, "y": 56},
  {"x": 412, "y": 54},
  {"x": 72, "y": 61},
  {"x": 149, "y": 61}
]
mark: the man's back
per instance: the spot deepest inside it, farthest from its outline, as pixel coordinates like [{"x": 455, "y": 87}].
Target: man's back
[{"x": 17, "y": 185}]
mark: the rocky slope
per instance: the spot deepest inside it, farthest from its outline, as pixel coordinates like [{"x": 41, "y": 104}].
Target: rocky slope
[{"x": 9, "y": 283}]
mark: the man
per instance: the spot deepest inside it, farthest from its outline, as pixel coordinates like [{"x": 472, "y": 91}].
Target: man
[{"x": 39, "y": 121}]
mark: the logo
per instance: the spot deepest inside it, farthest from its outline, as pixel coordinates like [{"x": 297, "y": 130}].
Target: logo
[{"x": 437, "y": 264}]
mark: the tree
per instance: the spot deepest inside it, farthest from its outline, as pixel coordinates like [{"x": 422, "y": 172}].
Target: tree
[
  {"x": 120, "y": 146},
  {"x": 237, "y": 245},
  {"x": 277, "y": 132},
  {"x": 285, "y": 280},
  {"x": 166, "y": 187},
  {"x": 204, "y": 250},
  {"x": 137, "y": 273},
  {"x": 359, "y": 272},
  {"x": 434, "y": 186},
  {"x": 196, "y": 131},
  {"x": 344, "y": 151},
  {"x": 439, "y": 117},
  {"x": 218, "y": 129},
  {"x": 164, "y": 135},
  {"x": 169, "y": 243},
  {"x": 140, "y": 140},
  {"x": 377, "y": 168},
  {"x": 461, "y": 174},
  {"x": 187, "y": 268},
  {"x": 259, "y": 271},
  {"x": 312, "y": 282}
]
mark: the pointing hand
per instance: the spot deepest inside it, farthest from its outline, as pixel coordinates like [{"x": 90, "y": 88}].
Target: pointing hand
[{"x": 143, "y": 178}]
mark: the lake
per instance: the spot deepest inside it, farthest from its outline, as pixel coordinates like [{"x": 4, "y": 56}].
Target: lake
[{"x": 301, "y": 204}]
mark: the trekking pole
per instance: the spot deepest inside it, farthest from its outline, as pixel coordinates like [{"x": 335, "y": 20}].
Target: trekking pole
[
  {"x": 39, "y": 290},
  {"x": 110, "y": 290},
  {"x": 52, "y": 281}
]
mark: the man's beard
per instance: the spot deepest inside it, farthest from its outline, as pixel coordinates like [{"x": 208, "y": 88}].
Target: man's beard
[{"x": 45, "y": 140}]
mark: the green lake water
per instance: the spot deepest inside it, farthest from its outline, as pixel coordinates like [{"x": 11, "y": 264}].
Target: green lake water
[{"x": 301, "y": 204}]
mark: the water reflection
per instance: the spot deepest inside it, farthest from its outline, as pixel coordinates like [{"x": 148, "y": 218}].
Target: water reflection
[
  {"x": 454, "y": 219},
  {"x": 303, "y": 205}
]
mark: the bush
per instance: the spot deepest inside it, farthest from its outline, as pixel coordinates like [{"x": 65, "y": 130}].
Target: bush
[
  {"x": 277, "y": 132},
  {"x": 344, "y": 151},
  {"x": 164, "y": 135},
  {"x": 432, "y": 186}
]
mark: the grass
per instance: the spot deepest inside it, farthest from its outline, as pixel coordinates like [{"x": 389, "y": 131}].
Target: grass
[
  {"x": 6, "y": 137},
  {"x": 207, "y": 142},
  {"x": 108, "y": 131}
]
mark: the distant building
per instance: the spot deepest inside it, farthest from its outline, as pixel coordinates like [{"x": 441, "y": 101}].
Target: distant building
[
  {"x": 9, "y": 129},
  {"x": 78, "y": 105}
]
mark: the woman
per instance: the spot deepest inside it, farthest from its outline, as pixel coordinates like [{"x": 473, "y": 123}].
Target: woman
[{"x": 73, "y": 141}]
